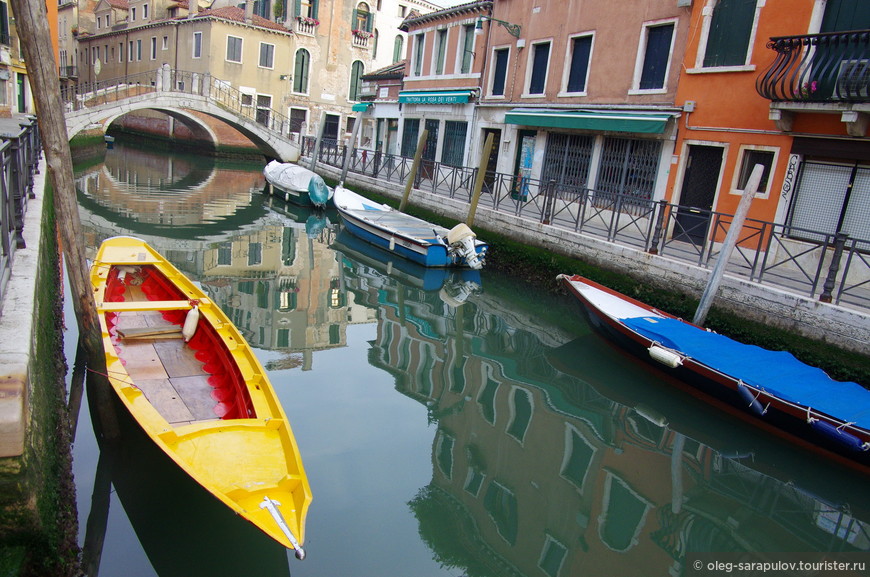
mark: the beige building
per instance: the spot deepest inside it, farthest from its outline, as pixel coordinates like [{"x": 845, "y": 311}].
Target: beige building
[{"x": 303, "y": 60}]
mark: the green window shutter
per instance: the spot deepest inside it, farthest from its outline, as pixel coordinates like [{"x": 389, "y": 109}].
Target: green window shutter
[
  {"x": 730, "y": 29},
  {"x": 314, "y": 6},
  {"x": 297, "y": 8},
  {"x": 354, "y": 20}
]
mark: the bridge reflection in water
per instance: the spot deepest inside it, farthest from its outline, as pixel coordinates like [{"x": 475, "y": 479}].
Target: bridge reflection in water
[{"x": 545, "y": 451}]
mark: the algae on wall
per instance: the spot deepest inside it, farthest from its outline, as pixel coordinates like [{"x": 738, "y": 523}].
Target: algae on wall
[{"x": 38, "y": 520}]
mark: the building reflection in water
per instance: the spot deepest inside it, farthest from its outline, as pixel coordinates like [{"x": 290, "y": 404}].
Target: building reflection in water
[{"x": 544, "y": 460}]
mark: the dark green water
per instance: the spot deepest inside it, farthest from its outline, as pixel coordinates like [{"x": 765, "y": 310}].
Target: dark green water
[{"x": 449, "y": 424}]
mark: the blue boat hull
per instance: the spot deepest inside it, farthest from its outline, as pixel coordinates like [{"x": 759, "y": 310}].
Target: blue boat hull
[{"x": 428, "y": 255}]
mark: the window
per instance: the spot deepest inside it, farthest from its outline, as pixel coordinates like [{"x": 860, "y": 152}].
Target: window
[
  {"x": 234, "y": 49},
  {"x": 540, "y": 62},
  {"x": 467, "y": 56},
  {"x": 419, "y": 43},
  {"x": 624, "y": 514},
  {"x": 132, "y": 14},
  {"x": 440, "y": 50},
  {"x": 521, "y": 414},
  {"x": 580, "y": 49},
  {"x": 106, "y": 53},
  {"x": 552, "y": 557},
  {"x": 444, "y": 453},
  {"x": 130, "y": 51},
  {"x": 197, "y": 44},
  {"x": 165, "y": 45},
  {"x": 264, "y": 109},
  {"x": 751, "y": 157},
  {"x": 656, "y": 55},
  {"x": 629, "y": 166},
  {"x": 453, "y": 150},
  {"x": 145, "y": 11},
  {"x": 499, "y": 71},
  {"x": 831, "y": 197},
  {"x": 267, "y": 55},
  {"x": 306, "y": 8},
  {"x": 730, "y": 28},
  {"x": 356, "y": 72},
  {"x": 300, "y": 71},
  {"x": 501, "y": 504},
  {"x": 261, "y": 8},
  {"x": 153, "y": 48},
  {"x": 410, "y": 133},
  {"x": 99, "y": 22},
  {"x": 362, "y": 18},
  {"x": 255, "y": 253},
  {"x": 577, "y": 458},
  {"x": 297, "y": 119},
  {"x": 120, "y": 51},
  {"x": 225, "y": 254},
  {"x": 398, "y": 46},
  {"x": 139, "y": 50}
]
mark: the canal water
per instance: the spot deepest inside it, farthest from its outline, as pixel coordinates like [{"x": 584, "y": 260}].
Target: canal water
[{"x": 451, "y": 424}]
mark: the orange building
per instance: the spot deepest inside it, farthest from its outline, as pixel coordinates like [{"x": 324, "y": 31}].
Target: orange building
[{"x": 785, "y": 85}]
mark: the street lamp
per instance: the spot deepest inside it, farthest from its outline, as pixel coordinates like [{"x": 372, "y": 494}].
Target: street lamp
[{"x": 513, "y": 29}]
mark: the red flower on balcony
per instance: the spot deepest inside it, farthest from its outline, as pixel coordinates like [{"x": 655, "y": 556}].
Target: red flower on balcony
[
  {"x": 365, "y": 34},
  {"x": 308, "y": 20}
]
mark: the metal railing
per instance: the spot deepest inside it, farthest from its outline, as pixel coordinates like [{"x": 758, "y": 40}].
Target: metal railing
[
  {"x": 830, "y": 67},
  {"x": 86, "y": 94},
  {"x": 19, "y": 159},
  {"x": 829, "y": 267}
]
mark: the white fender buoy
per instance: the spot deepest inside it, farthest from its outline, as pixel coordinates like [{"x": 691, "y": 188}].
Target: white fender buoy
[
  {"x": 665, "y": 357},
  {"x": 191, "y": 321}
]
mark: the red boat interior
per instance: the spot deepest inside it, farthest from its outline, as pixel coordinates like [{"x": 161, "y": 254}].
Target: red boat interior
[{"x": 228, "y": 388}]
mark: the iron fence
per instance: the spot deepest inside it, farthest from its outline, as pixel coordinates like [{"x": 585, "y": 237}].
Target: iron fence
[
  {"x": 832, "y": 267},
  {"x": 19, "y": 159}
]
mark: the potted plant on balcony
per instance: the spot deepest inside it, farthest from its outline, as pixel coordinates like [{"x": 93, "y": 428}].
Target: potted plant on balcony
[
  {"x": 308, "y": 20},
  {"x": 363, "y": 34}
]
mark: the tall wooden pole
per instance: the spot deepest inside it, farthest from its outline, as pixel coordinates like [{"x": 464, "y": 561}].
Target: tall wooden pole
[
  {"x": 30, "y": 19},
  {"x": 728, "y": 246},
  {"x": 478, "y": 182},
  {"x": 350, "y": 149},
  {"x": 421, "y": 144}
]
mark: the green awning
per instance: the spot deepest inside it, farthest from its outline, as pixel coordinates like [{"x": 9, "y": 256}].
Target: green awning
[
  {"x": 610, "y": 121},
  {"x": 434, "y": 96},
  {"x": 361, "y": 106}
]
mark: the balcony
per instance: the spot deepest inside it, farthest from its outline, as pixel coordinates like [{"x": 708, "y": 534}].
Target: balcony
[
  {"x": 65, "y": 72},
  {"x": 819, "y": 73}
]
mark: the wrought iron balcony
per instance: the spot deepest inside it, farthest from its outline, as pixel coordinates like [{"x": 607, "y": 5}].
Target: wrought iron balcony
[
  {"x": 67, "y": 72},
  {"x": 818, "y": 68}
]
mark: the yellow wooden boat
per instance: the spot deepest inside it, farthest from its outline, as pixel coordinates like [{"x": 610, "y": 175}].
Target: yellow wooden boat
[{"x": 195, "y": 386}]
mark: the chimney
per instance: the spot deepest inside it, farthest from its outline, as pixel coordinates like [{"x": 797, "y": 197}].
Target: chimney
[{"x": 249, "y": 11}]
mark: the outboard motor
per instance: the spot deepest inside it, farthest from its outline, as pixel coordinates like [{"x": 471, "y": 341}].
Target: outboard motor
[{"x": 460, "y": 239}]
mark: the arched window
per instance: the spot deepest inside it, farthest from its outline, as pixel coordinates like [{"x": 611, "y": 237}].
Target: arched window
[
  {"x": 398, "y": 46},
  {"x": 300, "y": 71},
  {"x": 356, "y": 72},
  {"x": 362, "y": 18}
]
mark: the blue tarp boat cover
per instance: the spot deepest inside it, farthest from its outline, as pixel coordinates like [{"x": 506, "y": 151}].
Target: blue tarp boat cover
[{"x": 776, "y": 372}]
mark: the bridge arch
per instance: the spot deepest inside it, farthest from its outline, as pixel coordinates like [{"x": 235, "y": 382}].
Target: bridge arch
[{"x": 102, "y": 109}]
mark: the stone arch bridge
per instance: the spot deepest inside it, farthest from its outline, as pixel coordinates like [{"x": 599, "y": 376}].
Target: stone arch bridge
[{"x": 176, "y": 93}]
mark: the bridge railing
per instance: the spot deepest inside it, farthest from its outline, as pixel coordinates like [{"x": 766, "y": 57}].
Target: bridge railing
[
  {"x": 19, "y": 158},
  {"x": 249, "y": 106}
]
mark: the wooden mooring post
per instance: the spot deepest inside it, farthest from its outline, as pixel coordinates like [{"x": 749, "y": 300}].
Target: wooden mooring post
[
  {"x": 731, "y": 239},
  {"x": 478, "y": 182},
  {"x": 30, "y": 19},
  {"x": 421, "y": 144}
]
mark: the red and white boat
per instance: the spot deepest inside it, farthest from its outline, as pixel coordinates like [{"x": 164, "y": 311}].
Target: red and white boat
[{"x": 770, "y": 388}]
